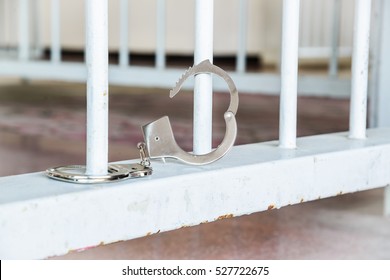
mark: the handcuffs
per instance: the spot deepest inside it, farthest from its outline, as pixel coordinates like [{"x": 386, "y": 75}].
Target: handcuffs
[{"x": 160, "y": 142}]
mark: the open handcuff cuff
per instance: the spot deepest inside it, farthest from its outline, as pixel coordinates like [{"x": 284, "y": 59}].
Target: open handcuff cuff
[{"x": 160, "y": 142}]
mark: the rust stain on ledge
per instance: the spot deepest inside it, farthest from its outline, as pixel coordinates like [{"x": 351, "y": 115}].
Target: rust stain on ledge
[
  {"x": 227, "y": 216},
  {"x": 270, "y": 207},
  {"x": 85, "y": 248},
  {"x": 302, "y": 200},
  {"x": 150, "y": 233}
]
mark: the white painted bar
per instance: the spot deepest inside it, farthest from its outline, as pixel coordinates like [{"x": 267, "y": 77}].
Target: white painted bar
[
  {"x": 40, "y": 217},
  {"x": 380, "y": 85},
  {"x": 242, "y": 36},
  {"x": 124, "y": 33},
  {"x": 23, "y": 36},
  {"x": 97, "y": 86},
  {"x": 203, "y": 88},
  {"x": 37, "y": 30},
  {"x": 381, "y": 68},
  {"x": 386, "y": 202},
  {"x": 360, "y": 60},
  {"x": 289, "y": 75},
  {"x": 383, "y": 84},
  {"x": 160, "y": 29},
  {"x": 2, "y": 23},
  {"x": 375, "y": 62},
  {"x": 333, "y": 61},
  {"x": 308, "y": 9},
  {"x": 55, "y": 31}
]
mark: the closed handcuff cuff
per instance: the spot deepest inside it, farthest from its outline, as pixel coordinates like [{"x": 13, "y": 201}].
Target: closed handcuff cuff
[{"x": 160, "y": 142}]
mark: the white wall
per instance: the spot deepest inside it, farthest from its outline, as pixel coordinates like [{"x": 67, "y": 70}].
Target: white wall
[{"x": 142, "y": 16}]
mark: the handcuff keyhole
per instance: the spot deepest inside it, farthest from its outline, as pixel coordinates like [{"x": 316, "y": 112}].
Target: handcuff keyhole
[{"x": 157, "y": 138}]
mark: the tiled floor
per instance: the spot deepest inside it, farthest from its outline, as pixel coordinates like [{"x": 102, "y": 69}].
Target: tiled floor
[{"x": 43, "y": 125}]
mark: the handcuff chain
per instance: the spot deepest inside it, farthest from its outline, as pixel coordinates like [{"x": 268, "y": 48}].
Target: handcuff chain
[{"x": 143, "y": 154}]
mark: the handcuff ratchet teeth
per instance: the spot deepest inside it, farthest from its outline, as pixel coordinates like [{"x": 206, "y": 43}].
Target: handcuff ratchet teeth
[{"x": 158, "y": 135}]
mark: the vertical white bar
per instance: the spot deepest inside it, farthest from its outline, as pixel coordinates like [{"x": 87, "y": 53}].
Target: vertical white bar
[
  {"x": 334, "y": 57},
  {"x": 306, "y": 24},
  {"x": 242, "y": 34},
  {"x": 203, "y": 89},
  {"x": 380, "y": 98},
  {"x": 24, "y": 38},
  {"x": 36, "y": 32},
  {"x": 2, "y": 24},
  {"x": 359, "y": 81},
  {"x": 124, "y": 34},
  {"x": 10, "y": 20},
  {"x": 376, "y": 63},
  {"x": 160, "y": 49},
  {"x": 386, "y": 203},
  {"x": 55, "y": 31},
  {"x": 97, "y": 86},
  {"x": 289, "y": 75}
]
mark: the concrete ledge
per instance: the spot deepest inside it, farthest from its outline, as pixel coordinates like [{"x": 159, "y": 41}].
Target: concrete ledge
[{"x": 40, "y": 217}]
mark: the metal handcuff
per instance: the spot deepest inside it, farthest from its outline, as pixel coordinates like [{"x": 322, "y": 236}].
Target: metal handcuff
[
  {"x": 158, "y": 135},
  {"x": 160, "y": 142},
  {"x": 116, "y": 172}
]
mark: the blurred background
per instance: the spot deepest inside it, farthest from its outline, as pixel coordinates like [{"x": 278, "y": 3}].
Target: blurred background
[{"x": 262, "y": 20}]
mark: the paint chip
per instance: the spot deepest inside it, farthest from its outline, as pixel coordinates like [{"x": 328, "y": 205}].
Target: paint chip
[{"x": 227, "y": 216}]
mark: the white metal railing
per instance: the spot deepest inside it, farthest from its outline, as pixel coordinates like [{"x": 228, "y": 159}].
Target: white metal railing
[
  {"x": 203, "y": 95},
  {"x": 358, "y": 110},
  {"x": 24, "y": 38},
  {"x": 289, "y": 72},
  {"x": 55, "y": 48},
  {"x": 333, "y": 62},
  {"x": 224, "y": 188},
  {"x": 97, "y": 86}
]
